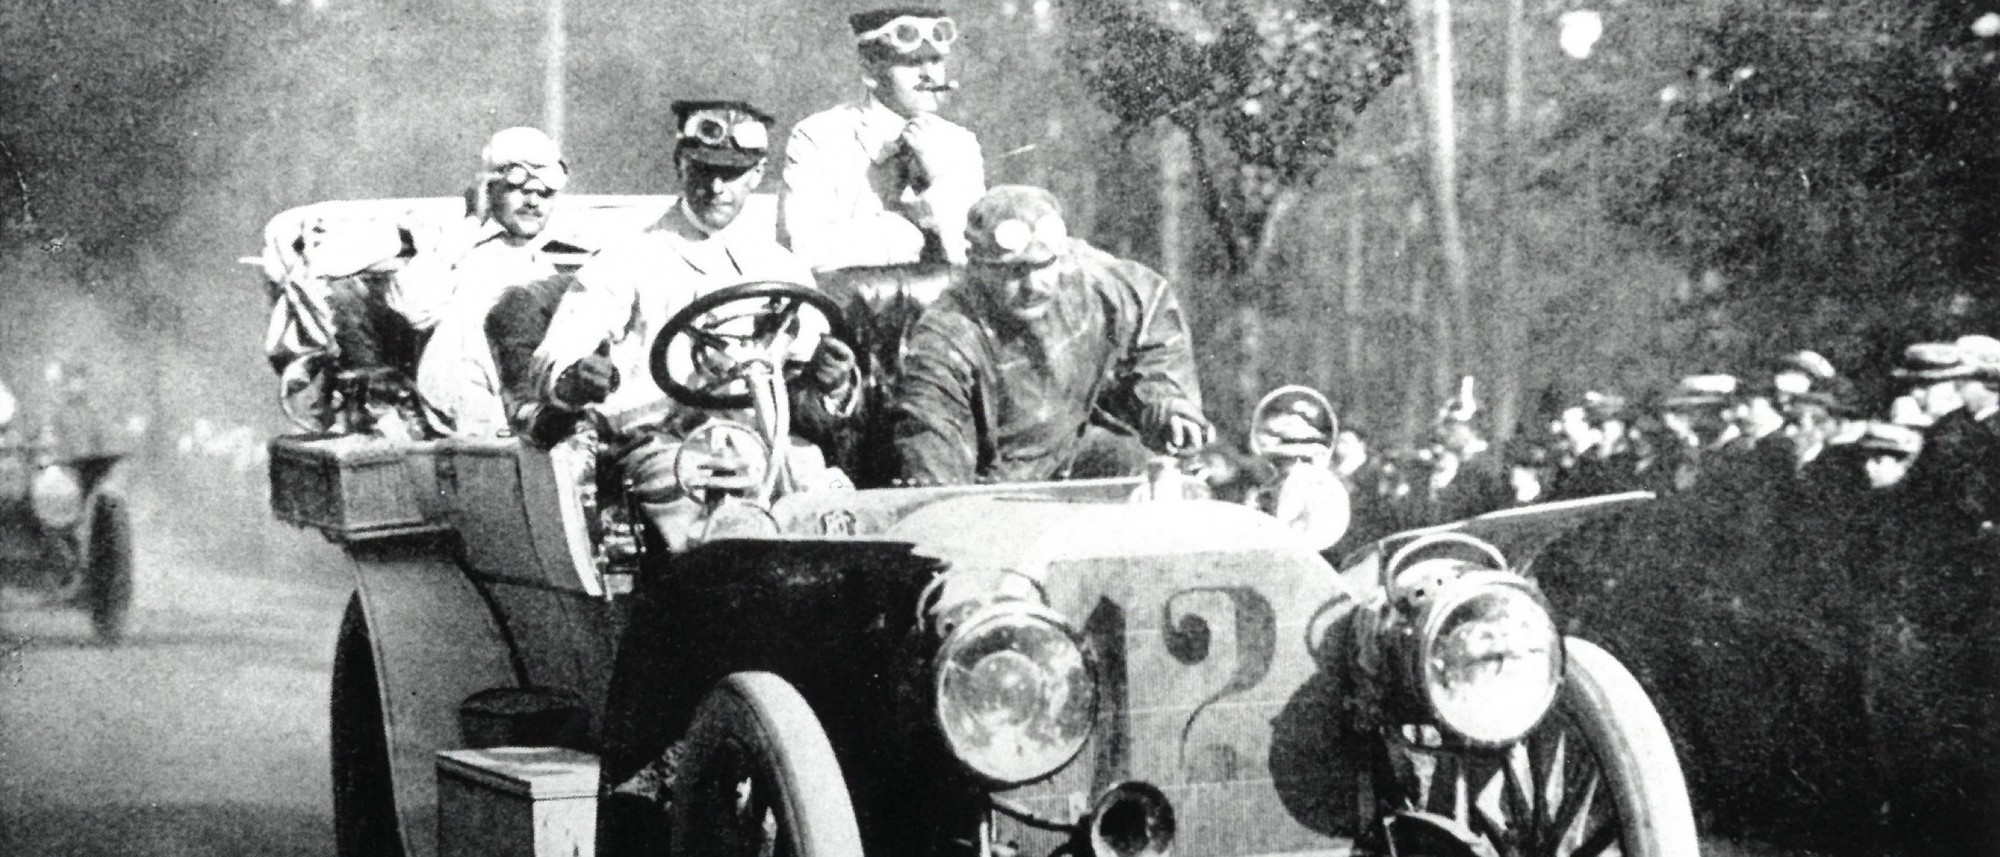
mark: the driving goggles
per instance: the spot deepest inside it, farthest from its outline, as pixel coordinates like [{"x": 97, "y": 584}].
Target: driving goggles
[
  {"x": 551, "y": 179},
  {"x": 720, "y": 129},
  {"x": 906, "y": 33}
]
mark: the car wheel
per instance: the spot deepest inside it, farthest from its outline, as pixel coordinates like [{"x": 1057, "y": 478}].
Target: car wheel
[
  {"x": 757, "y": 776},
  {"x": 1598, "y": 776},
  {"x": 364, "y": 797},
  {"x": 109, "y": 574}
]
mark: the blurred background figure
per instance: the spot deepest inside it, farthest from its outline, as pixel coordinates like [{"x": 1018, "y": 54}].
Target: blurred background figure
[
  {"x": 1294, "y": 432},
  {"x": 1889, "y": 449}
]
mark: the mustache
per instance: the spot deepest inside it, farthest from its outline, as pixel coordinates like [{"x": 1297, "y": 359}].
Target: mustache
[{"x": 946, "y": 86}]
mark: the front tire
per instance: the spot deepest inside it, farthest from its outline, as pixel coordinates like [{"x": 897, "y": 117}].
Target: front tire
[
  {"x": 108, "y": 574},
  {"x": 757, "y": 776},
  {"x": 1598, "y": 776}
]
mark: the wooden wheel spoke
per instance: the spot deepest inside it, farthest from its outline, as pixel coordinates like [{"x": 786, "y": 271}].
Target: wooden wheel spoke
[
  {"x": 1484, "y": 824},
  {"x": 1575, "y": 809},
  {"x": 1599, "y": 841},
  {"x": 1441, "y": 791},
  {"x": 1515, "y": 799}
]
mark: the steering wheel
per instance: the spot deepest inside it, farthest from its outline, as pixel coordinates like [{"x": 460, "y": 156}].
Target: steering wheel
[{"x": 714, "y": 346}]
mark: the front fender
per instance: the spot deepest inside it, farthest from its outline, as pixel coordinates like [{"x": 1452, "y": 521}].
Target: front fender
[
  {"x": 1521, "y": 533},
  {"x": 435, "y": 642}
]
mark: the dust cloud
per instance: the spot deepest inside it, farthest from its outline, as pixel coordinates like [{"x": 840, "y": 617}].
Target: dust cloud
[{"x": 148, "y": 143}]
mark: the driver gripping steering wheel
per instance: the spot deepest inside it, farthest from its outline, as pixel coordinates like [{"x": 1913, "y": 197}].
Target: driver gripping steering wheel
[{"x": 636, "y": 297}]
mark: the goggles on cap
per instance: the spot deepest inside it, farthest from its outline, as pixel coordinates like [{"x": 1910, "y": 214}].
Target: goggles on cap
[
  {"x": 1014, "y": 235},
  {"x": 719, "y": 129},
  {"x": 520, "y": 175},
  {"x": 907, "y": 33}
]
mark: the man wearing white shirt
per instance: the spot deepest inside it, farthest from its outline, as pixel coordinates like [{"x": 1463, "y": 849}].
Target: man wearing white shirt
[
  {"x": 598, "y": 342},
  {"x": 407, "y": 300},
  {"x": 884, "y": 180},
  {"x": 450, "y": 288}
]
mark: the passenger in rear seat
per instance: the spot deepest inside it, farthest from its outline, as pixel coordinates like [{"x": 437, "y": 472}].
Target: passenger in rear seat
[
  {"x": 884, "y": 180},
  {"x": 422, "y": 310},
  {"x": 503, "y": 242}
]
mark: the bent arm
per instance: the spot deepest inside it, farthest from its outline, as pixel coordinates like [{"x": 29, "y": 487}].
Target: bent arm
[
  {"x": 830, "y": 216},
  {"x": 598, "y": 308},
  {"x": 934, "y": 426},
  {"x": 1157, "y": 370}
]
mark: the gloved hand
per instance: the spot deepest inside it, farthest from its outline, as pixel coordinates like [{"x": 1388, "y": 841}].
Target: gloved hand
[
  {"x": 832, "y": 370},
  {"x": 1177, "y": 426},
  {"x": 587, "y": 381}
]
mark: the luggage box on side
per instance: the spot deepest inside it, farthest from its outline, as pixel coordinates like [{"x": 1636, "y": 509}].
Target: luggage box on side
[{"x": 355, "y": 488}]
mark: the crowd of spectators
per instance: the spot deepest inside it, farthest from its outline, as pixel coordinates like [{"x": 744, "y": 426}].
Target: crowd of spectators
[
  {"x": 1810, "y": 600},
  {"x": 1796, "y": 428}
]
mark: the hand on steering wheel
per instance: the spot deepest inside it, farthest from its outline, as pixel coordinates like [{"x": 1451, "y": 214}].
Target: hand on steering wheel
[{"x": 760, "y": 328}]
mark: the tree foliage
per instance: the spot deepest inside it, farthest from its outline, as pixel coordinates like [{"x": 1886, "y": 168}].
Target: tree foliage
[
  {"x": 1834, "y": 164},
  {"x": 1266, "y": 89}
]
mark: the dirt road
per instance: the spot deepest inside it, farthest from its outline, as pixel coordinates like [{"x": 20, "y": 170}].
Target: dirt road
[{"x": 205, "y": 733}]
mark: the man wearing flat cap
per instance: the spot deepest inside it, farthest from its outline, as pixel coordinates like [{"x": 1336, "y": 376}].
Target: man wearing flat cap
[
  {"x": 597, "y": 346},
  {"x": 884, "y": 180},
  {"x": 1047, "y": 359}
]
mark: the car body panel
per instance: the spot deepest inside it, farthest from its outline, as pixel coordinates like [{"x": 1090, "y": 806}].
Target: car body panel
[
  {"x": 1199, "y": 615},
  {"x": 435, "y": 642}
]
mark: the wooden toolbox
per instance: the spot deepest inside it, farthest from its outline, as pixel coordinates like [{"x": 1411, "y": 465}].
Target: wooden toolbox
[{"x": 354, "y": 487}]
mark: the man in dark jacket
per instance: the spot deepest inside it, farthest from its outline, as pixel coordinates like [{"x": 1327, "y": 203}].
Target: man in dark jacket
[{"x": 1048, "y": 359}]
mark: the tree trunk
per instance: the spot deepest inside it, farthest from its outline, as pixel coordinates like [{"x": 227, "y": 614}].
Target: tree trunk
[
  {"x": 1174, "y": 158},
  {"x": 1353, "y": 304},
  {"x": 1507, "y": 328},
  {"x": 1437, "y": 106}
]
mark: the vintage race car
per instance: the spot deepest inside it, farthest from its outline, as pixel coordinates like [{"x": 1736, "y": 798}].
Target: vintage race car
[
  {"x": 65, "y": 530},
  {"x": 786, "y": 665}
]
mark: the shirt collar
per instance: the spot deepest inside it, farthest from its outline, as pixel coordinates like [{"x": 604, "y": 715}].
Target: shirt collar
[{"x": 879, "y": 128}]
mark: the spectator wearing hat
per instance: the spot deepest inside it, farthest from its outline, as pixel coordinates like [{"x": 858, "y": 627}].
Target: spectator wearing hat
[
  {"x": 1962, "y": 448},
  {"x": 1048, "y": 358},
  {"x": 598, "y": 342},
  {"x": 1928, "y": 373},
  {"x": 884, "y": 180},
  {"x": 1469, "y": 478},
  {"x": 1933, "y": 374},
  {"x": 1888, "y": 450},
  {"x": 1592, "y": 460}
]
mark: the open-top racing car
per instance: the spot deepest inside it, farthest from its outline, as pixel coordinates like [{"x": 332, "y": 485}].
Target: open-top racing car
[{"x": 787, "y": 665}]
